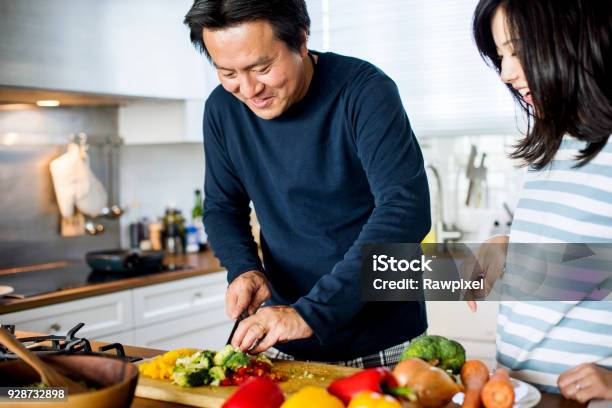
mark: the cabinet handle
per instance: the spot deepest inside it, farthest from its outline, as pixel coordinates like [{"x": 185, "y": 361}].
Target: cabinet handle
[{"x": 55, "y": 327}]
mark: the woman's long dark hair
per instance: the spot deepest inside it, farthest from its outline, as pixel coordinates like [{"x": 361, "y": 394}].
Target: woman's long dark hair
[{"x": 565, "y": 48}]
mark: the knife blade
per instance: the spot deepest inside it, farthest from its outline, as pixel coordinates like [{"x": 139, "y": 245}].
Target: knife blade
[{"x": 240, "y": 318}]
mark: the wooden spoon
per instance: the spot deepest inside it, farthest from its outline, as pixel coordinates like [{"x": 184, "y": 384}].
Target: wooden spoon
[{"x": 48, "y": 375}]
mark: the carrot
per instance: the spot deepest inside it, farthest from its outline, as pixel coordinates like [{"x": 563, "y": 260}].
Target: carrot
[
  {"x": 474, "y": 376},
  {"x": 498, "y": 392}
]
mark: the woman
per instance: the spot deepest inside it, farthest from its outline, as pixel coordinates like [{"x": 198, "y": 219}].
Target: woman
[{"x": 555, "y": 56}]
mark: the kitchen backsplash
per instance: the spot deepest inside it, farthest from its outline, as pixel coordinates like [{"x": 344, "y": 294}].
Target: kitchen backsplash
[
  {"x": 145, "y": 176},
  {"x": 153, "y": 176},
  {"x": 29, "y": 216}
]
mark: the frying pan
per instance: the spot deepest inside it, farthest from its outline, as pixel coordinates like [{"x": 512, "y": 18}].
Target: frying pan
[{"x": 125, "y": 261}]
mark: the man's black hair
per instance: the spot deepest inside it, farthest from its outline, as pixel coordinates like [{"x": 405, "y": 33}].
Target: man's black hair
[{"x": 288, "y": 18}]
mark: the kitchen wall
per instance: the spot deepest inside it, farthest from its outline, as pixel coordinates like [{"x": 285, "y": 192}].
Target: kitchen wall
[
  {"x": 146, "y": 178},
  {"x": 29, "y": 216},
  {"x": 152, "y": 176}
]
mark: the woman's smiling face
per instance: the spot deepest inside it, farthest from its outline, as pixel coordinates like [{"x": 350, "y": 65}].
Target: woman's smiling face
[{"x": 511, "y": 68}]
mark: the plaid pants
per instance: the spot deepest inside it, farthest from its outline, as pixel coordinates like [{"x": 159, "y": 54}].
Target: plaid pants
[{"x": 388, "y": 357}]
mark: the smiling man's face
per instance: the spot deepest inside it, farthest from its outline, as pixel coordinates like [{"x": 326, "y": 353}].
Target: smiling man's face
[{"x": 258, "y": 68}]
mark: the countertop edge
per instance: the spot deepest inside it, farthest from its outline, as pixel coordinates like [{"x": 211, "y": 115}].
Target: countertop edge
[{"x": 199, "y": 264}]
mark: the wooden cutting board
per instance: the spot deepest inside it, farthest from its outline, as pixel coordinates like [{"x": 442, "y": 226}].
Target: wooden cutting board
[{"x": 212, "y": 397}]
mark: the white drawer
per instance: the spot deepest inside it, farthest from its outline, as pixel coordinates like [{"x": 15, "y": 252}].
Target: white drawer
[
  {"x": 166, "y": 301},
  {"x": 102, "y": 315},
  {"x": 208, "y": 329}
]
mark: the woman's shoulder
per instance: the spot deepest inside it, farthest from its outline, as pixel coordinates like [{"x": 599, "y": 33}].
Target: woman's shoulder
[{"x": 566, "y": 159}]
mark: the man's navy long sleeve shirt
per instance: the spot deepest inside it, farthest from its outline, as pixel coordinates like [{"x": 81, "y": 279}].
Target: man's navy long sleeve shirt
[{"x": 339, "y": 169}]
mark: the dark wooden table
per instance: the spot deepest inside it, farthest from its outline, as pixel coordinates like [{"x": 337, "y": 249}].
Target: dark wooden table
[{"x": 548, "y": 400}]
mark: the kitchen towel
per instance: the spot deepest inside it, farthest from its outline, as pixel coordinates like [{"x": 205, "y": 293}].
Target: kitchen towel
[
  {"x": 75, "y": 184},
  {"x": 91, "y": 196}
]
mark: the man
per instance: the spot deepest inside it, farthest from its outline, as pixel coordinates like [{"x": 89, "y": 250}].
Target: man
[{"x": 321, "y": 145}]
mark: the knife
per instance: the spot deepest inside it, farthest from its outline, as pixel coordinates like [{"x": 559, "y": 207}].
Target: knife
[{"x": 240, "y": 318}]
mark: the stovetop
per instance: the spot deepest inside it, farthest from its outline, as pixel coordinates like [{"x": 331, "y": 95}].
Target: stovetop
[
  {"x": 65, "y": 275},
  {"x": 68, "y": 344}
]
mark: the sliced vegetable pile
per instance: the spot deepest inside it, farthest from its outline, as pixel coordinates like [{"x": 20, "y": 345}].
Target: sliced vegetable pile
[
  {"x": 192, "y": 368},
  {"x": 428, "y": 375},
  {"x": 161, "y": 367}
]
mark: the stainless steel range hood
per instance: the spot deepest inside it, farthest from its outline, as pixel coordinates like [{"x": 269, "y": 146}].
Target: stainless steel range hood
[{"x": 112, "y": 47}]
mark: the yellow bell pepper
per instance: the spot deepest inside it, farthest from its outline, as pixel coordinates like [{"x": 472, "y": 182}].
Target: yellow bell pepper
[
  {"x": 369, "y": 399},
  {"x": 161, "y": 366},
  {"x": 311, "y": 396}
]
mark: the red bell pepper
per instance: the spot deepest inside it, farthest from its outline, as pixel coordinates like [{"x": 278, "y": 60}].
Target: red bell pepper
[
  {"x": 371, "y": 379},
  {"x": 256, "y": 393}
]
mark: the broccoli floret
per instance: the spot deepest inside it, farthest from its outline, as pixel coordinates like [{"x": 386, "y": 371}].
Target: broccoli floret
[
  {"x": 452, "y": 355},
  {"x": 190, "y": 377},
  {"x": 189, "y": 360},
  {"x": 209, "y": 354},
  {"x": 217, "y": 375},
  {"x": 436, "y": 337},
  {"x": 223, "y": 355},
  {"x": 204, "y": 360},
  {"x": 437, "y": 350},
  {"x": 199, "y": 359},
  {"x": 424, "y": 347},
  {"x": 237, "y": 360}
]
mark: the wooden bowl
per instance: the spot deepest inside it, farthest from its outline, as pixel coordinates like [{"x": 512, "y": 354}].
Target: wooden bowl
[{"x": 115, "y": 381}]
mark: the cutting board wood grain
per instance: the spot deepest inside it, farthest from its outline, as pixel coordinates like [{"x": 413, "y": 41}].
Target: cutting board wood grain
[{"x": 213, "y": 397}]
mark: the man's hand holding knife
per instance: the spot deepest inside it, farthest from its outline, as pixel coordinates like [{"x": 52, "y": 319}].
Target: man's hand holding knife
[{"x": 266, "y": 326}]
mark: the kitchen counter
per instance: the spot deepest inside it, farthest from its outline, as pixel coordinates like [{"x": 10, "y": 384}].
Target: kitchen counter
[
  {"x": 188, "y": 265},
  {"x": 548, "y": 400}
]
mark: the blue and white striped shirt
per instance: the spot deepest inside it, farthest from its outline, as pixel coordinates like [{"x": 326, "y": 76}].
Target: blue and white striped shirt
[{"x": 538, "y": 340}]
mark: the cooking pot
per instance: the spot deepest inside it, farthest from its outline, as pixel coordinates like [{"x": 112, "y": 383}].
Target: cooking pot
[{"x": 125, "y": 261}]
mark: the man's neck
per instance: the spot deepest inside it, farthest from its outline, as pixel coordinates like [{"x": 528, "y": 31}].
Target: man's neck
[{"x": 308, "y": 64}]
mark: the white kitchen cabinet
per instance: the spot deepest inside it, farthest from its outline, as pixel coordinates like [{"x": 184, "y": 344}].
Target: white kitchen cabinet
[
  {"x": 151, "y": 122},
  {"x": 206, "y": 329},
  {"x": 116, "y": 47},
  {"x": 172, "y": 300},
  {"x": 476, "y": 331},
  {"x": 102, "y": 316},
  {"x": 182, "y": 313},
  {"x": 125, "y": 337},
  {"x": 186, "y": 313}
]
